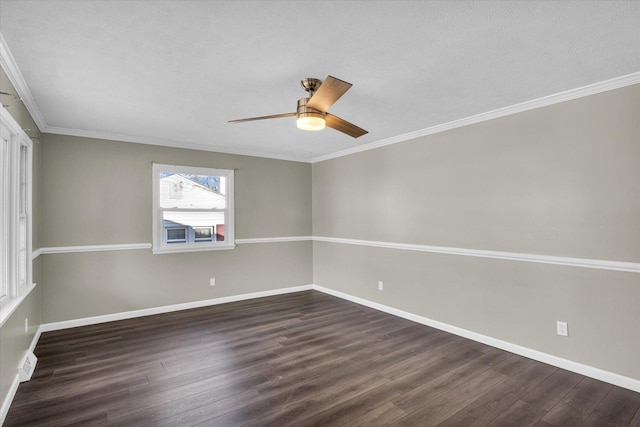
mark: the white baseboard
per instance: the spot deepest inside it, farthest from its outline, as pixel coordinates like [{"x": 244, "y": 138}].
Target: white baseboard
[
  {"x": 589, "y": 371},
  {"x": 6, "y": 404},
  {"x": 46, "y": 327},
  {"x": 8, "y": 399},
  {"x": 167, "y": 308},
  {"x": 569, "y": 365}
]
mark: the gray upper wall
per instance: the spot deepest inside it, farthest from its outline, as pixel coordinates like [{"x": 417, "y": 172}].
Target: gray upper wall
[
  {"x": 98, "y": 192},
  {"x": 563, "y": 180}
]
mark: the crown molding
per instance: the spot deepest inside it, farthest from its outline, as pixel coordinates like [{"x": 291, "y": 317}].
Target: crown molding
[
  {"x": 568, "y": 95},
  {"x": 592, "y": 89},
  {"x": 169, "y": 143},
  {"x": 15, "y": 77}
]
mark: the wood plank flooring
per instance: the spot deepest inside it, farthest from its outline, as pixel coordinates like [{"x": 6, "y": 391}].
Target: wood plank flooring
[{"x": 303, "y": 359}]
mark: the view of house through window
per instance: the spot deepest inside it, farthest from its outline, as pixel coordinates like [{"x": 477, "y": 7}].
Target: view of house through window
[{"x": 194, "y": 206}]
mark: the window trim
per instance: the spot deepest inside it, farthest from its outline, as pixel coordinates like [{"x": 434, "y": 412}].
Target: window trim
[
  {"x": 159, "y": 247},
  {"x": 16, "y": 261}
]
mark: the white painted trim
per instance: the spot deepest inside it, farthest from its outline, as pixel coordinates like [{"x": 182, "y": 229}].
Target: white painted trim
[
  {"x": 568, "y": 95},
  {"x": 167, "y": 308},
  {"x": 46, "y": 327},
  {"x": 569, "y": 365},
  {"x": 7, "y": 120},
  {"x": 130, "y": 246},
  {"x": 274, "y": 240},
  {"x": 94, "y": 248},
  {"x": 589, "y": 371},
  {"x": 10, "y": 307},
  {"x": 171, "y": 143},
  {"x": 632, "y": 267},
  {"x": 15, "y": 76},
  {"x": 592, "y": 89},
  {"x": 8, "y": 399},
  {"x": 35, "y": 254},
  {"x": 192, "y": 248},
  {"x": 34, "y": 341},
  {"x": 9, "y": 65},
  {"x": 159, "y": 244},
  {"x": 6, "y": 404}
]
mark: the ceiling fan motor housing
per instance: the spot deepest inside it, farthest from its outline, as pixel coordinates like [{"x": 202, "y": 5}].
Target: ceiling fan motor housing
[
  {"x": 313, "y": 118},
  {"x": 304, "y": 111}
]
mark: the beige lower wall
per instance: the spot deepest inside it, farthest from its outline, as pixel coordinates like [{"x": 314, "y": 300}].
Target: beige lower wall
[
  {"x": 517, "y": 302},
  {"x": 80, "y": 285}
]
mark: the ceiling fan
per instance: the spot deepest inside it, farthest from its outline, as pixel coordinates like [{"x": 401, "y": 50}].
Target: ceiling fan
[{"x": 312, "y": 111}]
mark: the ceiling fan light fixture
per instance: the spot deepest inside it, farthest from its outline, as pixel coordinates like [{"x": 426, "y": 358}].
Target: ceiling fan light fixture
[
  {"x": 309, "y": 122},
  {"x": 309, "y": 118},
  {"x": 311, "y": 113}
]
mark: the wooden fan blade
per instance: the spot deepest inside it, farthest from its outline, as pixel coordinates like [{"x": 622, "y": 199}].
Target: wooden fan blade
[
  {"x": 275, "y": 116},
  {"x": 328, "y": 93},
  {"x": 343, "y": 126}
]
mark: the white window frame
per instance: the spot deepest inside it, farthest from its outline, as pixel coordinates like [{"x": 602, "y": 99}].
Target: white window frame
[
  {"x": 15, "y": 215},
  {"x": 159, "y": 247}
]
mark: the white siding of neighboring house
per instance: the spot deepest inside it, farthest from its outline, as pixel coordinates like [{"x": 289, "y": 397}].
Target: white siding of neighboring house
[{"x": 179, "y": 192}]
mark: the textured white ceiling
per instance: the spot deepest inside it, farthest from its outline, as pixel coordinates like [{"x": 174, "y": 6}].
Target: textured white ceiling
[{"x": 179, "y": 70}]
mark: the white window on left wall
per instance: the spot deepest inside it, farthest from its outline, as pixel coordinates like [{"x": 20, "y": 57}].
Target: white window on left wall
[
  {"x": 15, "y": 213},
  {"x": 193, "y": 209}
]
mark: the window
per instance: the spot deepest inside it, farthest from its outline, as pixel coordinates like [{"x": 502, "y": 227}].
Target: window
[
  {"x": 176, "y": 235},
  {"x": 192, "y": 209},
  {"x": 15, "y": 212},
  {"x": 203, "y": 234}
]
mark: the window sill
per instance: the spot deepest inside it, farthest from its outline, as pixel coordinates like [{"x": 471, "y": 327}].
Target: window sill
[
  {"x": 161, "y": 251},
  {"x": 10, "y": 306}
]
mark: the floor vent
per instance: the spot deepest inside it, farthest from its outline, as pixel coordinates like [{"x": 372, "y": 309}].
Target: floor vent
[{"x": 28, "y": 365}]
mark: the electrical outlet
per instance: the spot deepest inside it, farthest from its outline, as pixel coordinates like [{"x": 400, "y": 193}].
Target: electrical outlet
[
  {"x": 380, "y": 285},
  {"x": 562, "y": 328},
  {"x": 26, "y": 325},
  {"x": 212, "y": 281}
]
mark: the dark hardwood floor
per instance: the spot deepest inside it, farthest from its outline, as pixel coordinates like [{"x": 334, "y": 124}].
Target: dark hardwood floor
[{"x": 303, "y": 359}]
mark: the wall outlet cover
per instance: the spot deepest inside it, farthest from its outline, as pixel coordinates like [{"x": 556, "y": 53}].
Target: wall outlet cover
[{"x": 562, "y": 328}]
